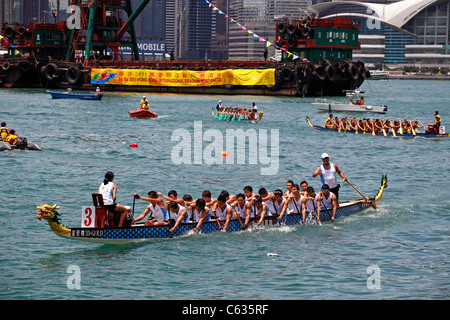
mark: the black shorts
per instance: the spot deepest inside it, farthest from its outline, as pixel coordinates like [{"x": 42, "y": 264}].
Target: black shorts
[
  {"x": 111, "y": 207},
  {"x": 335, "y": 190}
]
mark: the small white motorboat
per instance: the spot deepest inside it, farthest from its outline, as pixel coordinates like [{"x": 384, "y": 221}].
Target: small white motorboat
[{"x": 351, "y": 103}]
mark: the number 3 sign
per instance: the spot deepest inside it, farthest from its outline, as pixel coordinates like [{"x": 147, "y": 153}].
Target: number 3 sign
[{"x": 88, "y": 217}]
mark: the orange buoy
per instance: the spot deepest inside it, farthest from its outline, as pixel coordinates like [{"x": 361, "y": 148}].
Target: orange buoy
[
  {"x": 133, "y": 145},
  {"x": 224, "y": 154}
]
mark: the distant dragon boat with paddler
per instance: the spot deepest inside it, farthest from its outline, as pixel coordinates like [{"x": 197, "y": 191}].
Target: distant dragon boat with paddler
[{"x": 385, "y": 133}]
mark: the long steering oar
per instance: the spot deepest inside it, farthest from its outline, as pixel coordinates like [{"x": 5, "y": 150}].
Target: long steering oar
[{"x": 365, "y": 198}]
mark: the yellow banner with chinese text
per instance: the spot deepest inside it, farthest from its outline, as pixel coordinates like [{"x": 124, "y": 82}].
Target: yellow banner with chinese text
[{"x": 183, "y": 78}]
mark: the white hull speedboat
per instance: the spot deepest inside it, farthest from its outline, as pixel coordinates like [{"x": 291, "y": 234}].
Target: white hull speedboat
[{"x": 348, "y": 105}]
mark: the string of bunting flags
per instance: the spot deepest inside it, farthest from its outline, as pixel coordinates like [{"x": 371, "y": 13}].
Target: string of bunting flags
[
  {"x": 261, "y": 39},
  {"x": 9, "y": 44}
]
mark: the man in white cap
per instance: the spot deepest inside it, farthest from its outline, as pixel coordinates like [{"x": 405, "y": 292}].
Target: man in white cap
[
  {"x": 219, "y": 105},
  {"x": 327, "y": 172},
  {"x": 144, "y": 102}
]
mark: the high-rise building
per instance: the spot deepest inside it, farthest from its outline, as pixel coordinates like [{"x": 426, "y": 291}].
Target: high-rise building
[
  {"x": 259, "y": 16},
  {"x": 29, "y": 11},
  {"x": 150, "y": 24}
]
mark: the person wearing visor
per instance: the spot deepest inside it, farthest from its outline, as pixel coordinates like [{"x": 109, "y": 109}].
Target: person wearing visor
[{"x": 327, "y": 172}]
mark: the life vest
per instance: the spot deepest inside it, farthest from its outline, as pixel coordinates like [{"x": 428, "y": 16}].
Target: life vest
[
  {"x": 12, "y": 139},
  {"x": 437, "y": 120},
  {"x": 4, "y": 133}
]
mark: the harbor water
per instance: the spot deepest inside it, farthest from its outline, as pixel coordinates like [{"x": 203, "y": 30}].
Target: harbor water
[{"x": 399, "y": 251}]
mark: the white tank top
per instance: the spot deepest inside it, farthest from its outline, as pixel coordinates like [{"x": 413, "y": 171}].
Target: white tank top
[
  {"x": 107, "y": 193},
  {"x": 270, "y": 207},
  {"x": 177, "y": 214},
  {"x": 159, "y": 214},
  {"x": 278, "y": 206},
  {"x": 258, "y": 211},
  {"x": 241, "y": 211},
  {"x": 197, "y": 215},
  {"x": 296, "y": 206},
  {"x": 311, "y": 205},
  {"x": 327, "y": 202},
  {"x": 328, "y": 176},
  {"x": 222, "y": 214}
]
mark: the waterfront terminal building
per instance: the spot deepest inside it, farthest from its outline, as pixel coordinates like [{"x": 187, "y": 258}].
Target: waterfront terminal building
[{"x": 402, "y": 32}]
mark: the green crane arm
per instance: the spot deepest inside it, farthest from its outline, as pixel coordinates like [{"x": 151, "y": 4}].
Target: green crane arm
[{"x": 131, "y": 18}]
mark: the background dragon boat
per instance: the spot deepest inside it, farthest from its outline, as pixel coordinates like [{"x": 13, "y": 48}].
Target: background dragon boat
[
  {"x": 238, "y": 118},
  {"x": 140, "y": 233},
  {"x": 383, "y": 134},
  {"x": 50, "y": 55}
]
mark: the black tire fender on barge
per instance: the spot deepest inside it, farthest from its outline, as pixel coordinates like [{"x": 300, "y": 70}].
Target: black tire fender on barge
[
  {"x": 319, "y": 73},
  {"x": 281, "y": 27},
  {"x": 330, "y": 72},
  {"x": 50, "y": 72},
  {"x": 6, "y": 65},
  {"x": 292, "y": 28},
  {"x": 286, "y": 74},
  {"x": 9, "y": 32},
  {"x": 353, "y": 71},
  {"x": 73, "y": 75},
  {"x": 24, "y": 66}
]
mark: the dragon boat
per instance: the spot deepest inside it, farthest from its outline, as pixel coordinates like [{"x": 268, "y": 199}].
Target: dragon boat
[
  {"x": 72, "y": 95},
  {"x": 142, "y": 113},
  {"x": 383, "y": 134},
  {"x": 233, "y": 118},
  {"x": 139, "y": 233}
]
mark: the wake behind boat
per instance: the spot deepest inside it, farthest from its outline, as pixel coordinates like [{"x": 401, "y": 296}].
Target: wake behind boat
[
  {"x": 138, "y": 233},
  {"x": 348, "y": 105},
  {"x": 72, "y": 95}
]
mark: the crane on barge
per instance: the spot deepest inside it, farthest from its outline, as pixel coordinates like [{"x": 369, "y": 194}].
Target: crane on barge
[{"x": 59, "y": 55}]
